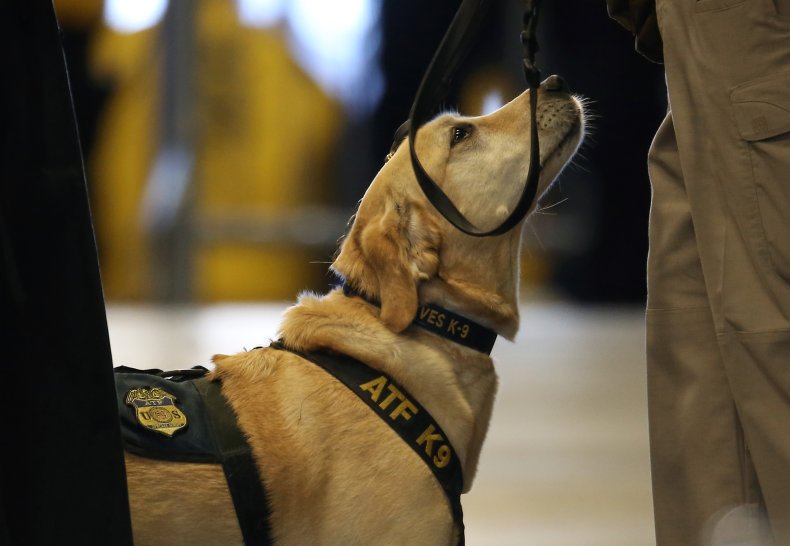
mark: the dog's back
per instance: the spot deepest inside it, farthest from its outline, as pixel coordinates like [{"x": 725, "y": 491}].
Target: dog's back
[{"x": 334, "y": 472}]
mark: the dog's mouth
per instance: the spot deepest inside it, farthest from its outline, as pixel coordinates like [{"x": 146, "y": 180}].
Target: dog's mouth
[
  {"x": 571, "y": 134},
  {"x": 556, "y": 144}
]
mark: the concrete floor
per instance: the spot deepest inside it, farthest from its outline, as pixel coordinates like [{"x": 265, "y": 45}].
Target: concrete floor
[{"x": 566, "y": 460}]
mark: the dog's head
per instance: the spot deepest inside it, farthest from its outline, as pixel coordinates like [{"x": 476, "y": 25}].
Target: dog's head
[{"x": 399, "y": 246}]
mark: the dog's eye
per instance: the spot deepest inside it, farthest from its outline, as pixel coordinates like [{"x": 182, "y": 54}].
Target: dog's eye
[{"x": 460, "y": 132}]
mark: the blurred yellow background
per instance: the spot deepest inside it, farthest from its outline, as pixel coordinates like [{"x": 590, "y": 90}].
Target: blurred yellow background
[
  {"x": 227, "y": 141},
  {"x": 260, "y": 135},
  {"x": 263, "y": 139}
]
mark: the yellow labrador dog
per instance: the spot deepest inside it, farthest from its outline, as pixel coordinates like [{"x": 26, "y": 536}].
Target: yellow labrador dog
[{"x": 334, "y": 472}]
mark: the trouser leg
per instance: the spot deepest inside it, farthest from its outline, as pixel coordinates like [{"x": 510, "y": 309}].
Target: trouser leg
[
  {"x": 728, "y": 75},
  {"x": 700, "y": 466}
]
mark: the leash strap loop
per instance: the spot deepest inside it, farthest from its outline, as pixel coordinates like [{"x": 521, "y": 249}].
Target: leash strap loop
[{"x": 453, "y": 48}]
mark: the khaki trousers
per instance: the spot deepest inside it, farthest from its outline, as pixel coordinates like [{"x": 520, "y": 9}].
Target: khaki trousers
[{"x": 718, "y": 317}]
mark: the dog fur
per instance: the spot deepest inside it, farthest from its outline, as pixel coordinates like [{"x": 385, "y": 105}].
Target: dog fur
[{"x": 334, "y": 471}]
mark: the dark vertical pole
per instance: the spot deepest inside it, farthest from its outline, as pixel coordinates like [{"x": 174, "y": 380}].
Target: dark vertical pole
[
  {"x": 168, "y": 207},
  {"x": 61, "y": 468}
]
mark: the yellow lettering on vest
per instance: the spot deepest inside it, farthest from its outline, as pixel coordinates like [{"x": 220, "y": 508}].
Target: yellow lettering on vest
[
  {"x": 443, "y": 455},
  {"x": 424, "y": 312},
  {"x": 394, "y": 393},
  {"x": 465, "y": 331},
  {"x": 436, "y": 318},
  {"x": 374, "y": 387},
  {"x": 453, "y": 325},
  {"x": 403, "y": 409},
  {"x": 428, "y": 438}
]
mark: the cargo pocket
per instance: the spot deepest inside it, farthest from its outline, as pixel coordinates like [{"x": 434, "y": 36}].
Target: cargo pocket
[{"x": 761, "y": 109}]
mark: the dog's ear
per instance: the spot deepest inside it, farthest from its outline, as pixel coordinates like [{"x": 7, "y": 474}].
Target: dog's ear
[{"x": 385, "y": 256}]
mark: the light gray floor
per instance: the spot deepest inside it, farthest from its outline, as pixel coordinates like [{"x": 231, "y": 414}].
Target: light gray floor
[{"x": 566, "y": 460}]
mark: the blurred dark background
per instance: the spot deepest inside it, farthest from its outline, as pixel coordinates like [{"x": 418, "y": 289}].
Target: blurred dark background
[{"x": 227, "y": 142}]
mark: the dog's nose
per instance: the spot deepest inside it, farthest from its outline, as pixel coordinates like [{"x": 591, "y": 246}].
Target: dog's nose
[{"x": 555, "y": 83}]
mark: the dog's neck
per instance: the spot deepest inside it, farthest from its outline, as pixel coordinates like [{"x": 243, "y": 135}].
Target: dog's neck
[
  {"x": 487, "y": 307},
  {"x": 456, "y": 384},
  {"x": 489, "y": 294}
]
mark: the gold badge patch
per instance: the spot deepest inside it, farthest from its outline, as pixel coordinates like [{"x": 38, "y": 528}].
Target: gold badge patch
[{"x": 156, "y": 410}]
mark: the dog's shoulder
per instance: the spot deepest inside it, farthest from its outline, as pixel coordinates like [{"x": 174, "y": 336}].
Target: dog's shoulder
[{"x": 332, "y": 322}]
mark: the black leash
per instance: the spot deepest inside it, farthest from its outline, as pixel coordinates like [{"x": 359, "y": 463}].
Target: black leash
[{"x": 454, "y": 47}]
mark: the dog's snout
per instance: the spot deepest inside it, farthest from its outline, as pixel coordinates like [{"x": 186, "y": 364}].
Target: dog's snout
[{"x": 555, "y": 83}]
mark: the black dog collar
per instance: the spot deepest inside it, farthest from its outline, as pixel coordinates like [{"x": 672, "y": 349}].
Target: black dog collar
[{"x": 444, "y": 323}]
